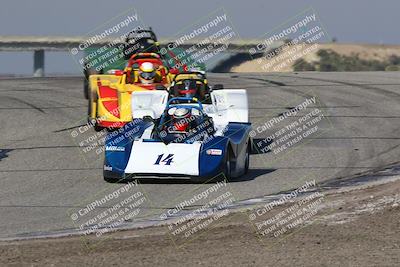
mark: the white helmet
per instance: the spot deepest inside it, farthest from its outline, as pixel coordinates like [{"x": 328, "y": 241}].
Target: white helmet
[
  {"x": 180, "y": 113},
  {"x": 147, "y": 72}
]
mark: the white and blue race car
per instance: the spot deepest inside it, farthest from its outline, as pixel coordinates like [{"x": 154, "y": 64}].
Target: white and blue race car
[{"x": 181, "y": 137}]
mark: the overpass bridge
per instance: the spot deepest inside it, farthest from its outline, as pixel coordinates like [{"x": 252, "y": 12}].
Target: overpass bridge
[{"x": 39, "y": 44}]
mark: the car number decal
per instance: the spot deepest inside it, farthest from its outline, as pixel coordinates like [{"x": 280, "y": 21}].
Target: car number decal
[{"x": 167, "y": 160}]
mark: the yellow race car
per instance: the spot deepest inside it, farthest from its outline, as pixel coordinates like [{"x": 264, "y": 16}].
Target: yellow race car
[{"x": 110, "y": 94}]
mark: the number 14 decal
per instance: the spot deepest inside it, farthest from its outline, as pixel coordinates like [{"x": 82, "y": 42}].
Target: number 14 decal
[{"x": 167, "y": 160}]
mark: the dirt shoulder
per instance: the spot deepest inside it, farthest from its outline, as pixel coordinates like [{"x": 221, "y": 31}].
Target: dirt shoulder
[{"x": 354, "y": 228}]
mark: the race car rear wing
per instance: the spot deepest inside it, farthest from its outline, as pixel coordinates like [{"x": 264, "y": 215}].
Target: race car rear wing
[
  {"x": 149, "y": 103},
  {"x": 230, "y": 105}
]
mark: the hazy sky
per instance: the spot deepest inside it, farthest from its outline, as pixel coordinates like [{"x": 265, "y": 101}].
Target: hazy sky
[{"x": 360, "y": 21}]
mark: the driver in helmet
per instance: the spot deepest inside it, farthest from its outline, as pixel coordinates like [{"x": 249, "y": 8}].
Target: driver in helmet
[
  {"x": 147, "y": 73},
  {"x": 188, "y": 88},
  {"x": 181, "y": 119}
]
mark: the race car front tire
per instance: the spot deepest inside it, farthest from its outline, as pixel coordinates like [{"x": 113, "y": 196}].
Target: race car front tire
[
  {"x": 247, "y": 159},
  {"x": 227, "y": 166},
  {"x": 224, "y": 173}
]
